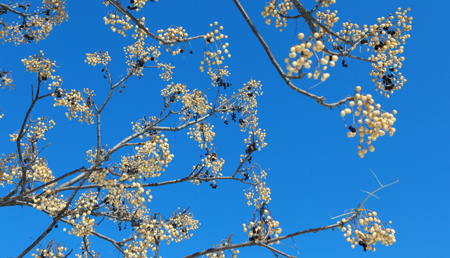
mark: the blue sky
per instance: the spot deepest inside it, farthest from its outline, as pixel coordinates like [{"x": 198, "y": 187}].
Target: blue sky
[{"x": 313, "y": 168}]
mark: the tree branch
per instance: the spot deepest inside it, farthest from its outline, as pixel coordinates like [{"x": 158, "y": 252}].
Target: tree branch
[
  {"x": 55, "y": 220},
  {"x": 142, "y": 27},
  {"x": 320, "y": 100},
  {"x": 265, "y": 242}
]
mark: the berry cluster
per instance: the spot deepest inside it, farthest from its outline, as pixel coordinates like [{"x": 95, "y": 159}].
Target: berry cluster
[
  {"x": 82, "y": 221},
  {"x": 173, "y": 33},
  {"x": 40, "y": 65},
  {"x": 138, "y": 54},
  {"x": 218, "y": 78},
  {"x": 41, "y": 172},
  {"x": 216, "y": 50},
  {"x": 371, "y": 121},
  {"x": 388, "y": 38},
  {"x": 202, "y": 133},
  {"x": 53, "y": 250},
  {"x": 259, "y": 187},
  {"x": 6, "y": 80},
  {"x": 245, "y": 104},
  {"x": 38, "y": 170},
  {"x": 367, "y": 231},
  {"x": 80, "y": 107},
  {"x": 300, "y": 54},
  {"x": 263, "y": 226},
  {"x": 195, "y": 105},
  {"x": 277, "y": 10},
  {"x": 153, "y": 229},
  {"x": 385, "y": 39},
  {"x": 173, "y": 92},
  {"x": 97, "y": 57},
  {"x": 49, "y": 201},
  {"x": 116, "y": 20},
  {"x": 32, "y": 26},
  {"x": 166, "y": 74},
  {"x": 327, "y": 18},
  {"x": 150, "y": 159}
]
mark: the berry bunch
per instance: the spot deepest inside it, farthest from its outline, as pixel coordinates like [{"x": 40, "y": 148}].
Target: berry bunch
[{"x": 371, "y": 121}]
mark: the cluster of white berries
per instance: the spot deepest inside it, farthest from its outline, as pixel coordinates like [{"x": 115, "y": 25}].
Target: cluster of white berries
[
  {"x": 6, "y": 80},
  {"x": 50, "y": 251},
  {"x": 217, "y": 49},
  {"x": 43, "y": 67},
  {"x": 195, "y": 105},
  {"x": 91, "y": 154},
  {"x": 39, "y": 128},
  {"x": 40, "y": 65},
  {"x": 385, "y": 39},
  {"x": 261, "y": 188},
  {"x": 247, "y": 103},
  {"x": 327, "y": 18},
  {"x": 277, "y": 10},
  {"x": 138, "y": 54},
  {"x": 299, "y": 58},
  {"x": 166, "y": 74},
  {"x": 78, "y": 106},
  {"x": 372, "y": 121},
  {"x": 38, "y": 23},
  {"x": 97, "y": 57},
  {"x": 202, "y": 133},
  {"x": 41, "y": 172},
  {"x": 49, "y": 202},
  {"x": 367, "y": 231},
  {"x": 388, "y": 38},
  {"x": 263, "y": 226},
  {"x": 217, "y": 75},
  {"x": 177, "y": 90},
  {"x": 173, "y": 33},
  {"x": 83, "y": 225},
  {"x": 150, "y": 159},
  {"x": 39, "y": 169},
  {"x": 115, "y": 20},
  {"x": 178, "y": 227}
]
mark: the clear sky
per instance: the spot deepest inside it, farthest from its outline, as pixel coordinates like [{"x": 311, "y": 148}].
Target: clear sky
[{"x": 313, "y": 168}]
